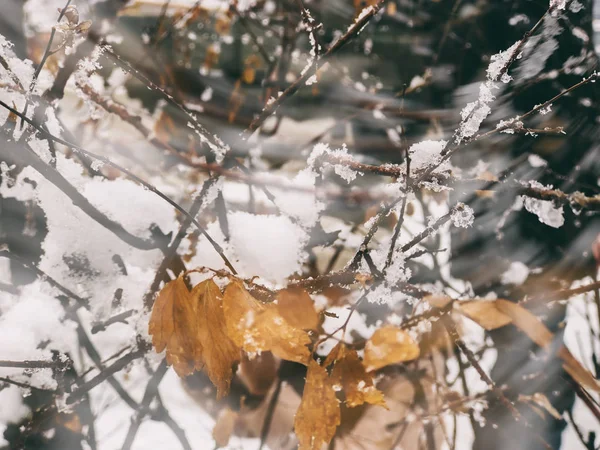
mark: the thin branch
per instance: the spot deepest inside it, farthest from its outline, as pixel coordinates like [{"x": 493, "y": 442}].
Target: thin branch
[
  {"x": 131, "y": 175},
  {"x": 352, "y": 32}
]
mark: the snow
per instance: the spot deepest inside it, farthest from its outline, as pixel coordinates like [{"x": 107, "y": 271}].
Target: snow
[
  {"x": 344, "y": 171},
  {"x": 546, "y": 211},
  {"x": 463, "y": 216},
  {"x": 516, "y": 274},
  {"x": 427, "y": 154},
  {"x": 268, "y": 246}
]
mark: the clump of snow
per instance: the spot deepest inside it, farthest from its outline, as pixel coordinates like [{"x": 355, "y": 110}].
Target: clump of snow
[
  {"x": 325, "y": 157},
  {"x": 536, "y": 161},
  {"x": 426, "y": 154},
  {"x": 268, "y": 246},
  {"x": 462, "y": 216},
  {"x": 499, "y": 60},
  {"x": 546, "y": 211},
  {"x": 516, "y": 274},
  {"x": 298, "y": 199},
  {"x": 474, "y": 113}
]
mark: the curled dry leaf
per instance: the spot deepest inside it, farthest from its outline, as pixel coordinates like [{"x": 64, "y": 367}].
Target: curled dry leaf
[
  {"x": 215, "y": 351},
  {"x": 356, "y": 383},
  {"x": 485, "y": 313},
  {"x": 579, "y": 373},
  {"x": 319, "y": 414},
  {"x": 257, "y": 328},
  {"x": 526, "y": 322},
  {"x": 297, "y": 308},
  {"x": 389, "y": 345},
  {"x": 173, "y": 326},
  {"x": 224, "y": 427}
]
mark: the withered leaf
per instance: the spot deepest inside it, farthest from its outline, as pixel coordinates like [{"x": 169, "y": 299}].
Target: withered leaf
[
  {"x": 389, "y": 345},
  {"x": 284, "y": 340},
  {"x": 256, "y": 327},
  {"x": 173, "y": 326},
  {"x": 224, "y": 427},
  {"x": 240, "y": 310},
  {"x": 485, "y": 313},
  {"x": 526, "y": 322},
  {"x": 297, "y": 308},
  {"x": 356, "y": 383},
  {"x": 215, "y": 352},
  {"x": 577, "y": 371},
  {"x": 319, "y": 413}
]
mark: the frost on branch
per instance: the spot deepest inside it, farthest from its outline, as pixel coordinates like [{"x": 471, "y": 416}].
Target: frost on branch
[
  {"x": 463, "y": 216},
  {"x": 545, "y": 210}
]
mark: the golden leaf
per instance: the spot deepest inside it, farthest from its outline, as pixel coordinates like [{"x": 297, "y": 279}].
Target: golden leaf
[
  {"x": 257, "y": 328},
  {"x": 319, "y": 413},
  {"x": 215, "y": 351},
  {"x": 284, "y": 340},
  {"x": 173, "y": 326},
  {"x": 485, "y": 313},
  {"x": 389, "y": 345},
  {"x": 357, "y": 384},
  {"x": 224, "y": 427},
  {"x": 297, "y": 308},
  {"x": 240, "y": 310}
]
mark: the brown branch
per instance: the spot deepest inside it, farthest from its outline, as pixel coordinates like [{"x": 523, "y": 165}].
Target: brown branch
[
  {"x": 36, "y": 364},
  {"x": 117, "y": 366}
]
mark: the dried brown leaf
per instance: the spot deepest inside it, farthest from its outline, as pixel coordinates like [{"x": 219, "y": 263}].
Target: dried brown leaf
[
  {"x": 485, "y": 313},
  {"x": 173, "y": 326},
  {"x": 216, "y": 353},
  {"x": 276, "y": 335},
  {"x": 526, "y": 322},
  {"x": 319, "y": 414},
  {"x": 240, "y": 310},
  {"x": 350, "y": 373},
  {"x": 389, "y": 345},
  {"x": 577, "y": 371},
  {"x": 257, "y": 328},
  {"x": 297, "y": 308}
]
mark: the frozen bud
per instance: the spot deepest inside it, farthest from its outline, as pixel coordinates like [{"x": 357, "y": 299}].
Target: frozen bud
[{"x": 72, "y": 15}]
